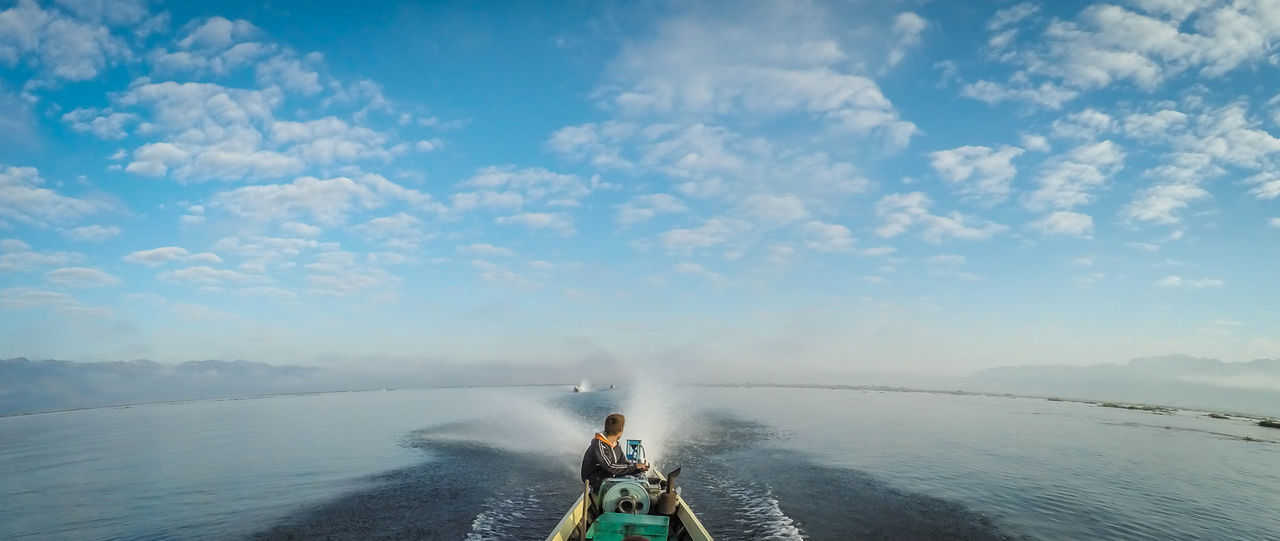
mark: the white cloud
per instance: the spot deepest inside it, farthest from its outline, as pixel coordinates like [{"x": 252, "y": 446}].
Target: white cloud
[
  {"x": 23, "y": 201},
  {"x": 641, "y": 208},
  {"x": 1109, "y": 44},
  {"x": 1066, "y": 223},
  {"x": 13, "y": 245},
  {"x": 204, "y": 257},
  {"x": 22, "y": 261},
  {"x": 1047, "y": 94},
  {"x": 486, "y": 250},
  {"x": 877, "y": 251},
  {"x": 1154, "y": 126},
  {"x": 300, "y": 229},
  {"x": 105, "y": 124},
  {"x": 947, "y": 260},
  {"x": 1086, "y": 125},
  {"x": 57, "y": 46},
  {"x": 1178, "y": 281},
  {"x": 907, "y": 27},
  {"x": 901, "y": 212},
  {"x": 712, "y": 232},
  {"x": 1266, "y": 185},
  {"x": 80, "y": 277},
  {"x": 157, "y": 256},
  {"x": 1144, "y": 246},
  {"x": 512, "y": 186},
  {"x": 694, "y": 269},
  {"x": 765, "y": 60},
  {"x": 1070, "y": 180},
  {"x": 1161, "y": 203},
  {"x": 1012, "y": 15},
  {"x": 92, "y": 233},
  {"x": 27, "y": 298},
  {"x": 825, "y": 237},
  {"x": 1036, "y": 143},
  {"x": 327, "y": 202},
  {"x": 990, "y": 171},
  {"x": 558, "y": 222},
  {"x": 290, "y": 73},
  {"x": 774, "y": 210},
  {"x": 1082, "y": 261},
  {"x": 202, "y": 275}
]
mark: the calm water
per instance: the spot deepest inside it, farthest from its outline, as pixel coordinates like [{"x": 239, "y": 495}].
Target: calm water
[{"x": 480, "y": 464}]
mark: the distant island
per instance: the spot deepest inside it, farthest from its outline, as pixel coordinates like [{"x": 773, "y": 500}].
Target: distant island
[
  {"x": 28, "y": 386},
  {"x": 1183, "y": 381},
  {"x": 1174, "y": 380}
]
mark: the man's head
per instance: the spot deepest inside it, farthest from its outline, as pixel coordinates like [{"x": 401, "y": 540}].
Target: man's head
[{"x": 613, "y": 424}]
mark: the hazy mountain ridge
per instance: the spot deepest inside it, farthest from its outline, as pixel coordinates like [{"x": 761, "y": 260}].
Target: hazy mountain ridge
[
  {"x": 28, "y": 386},
  {"x": 1177, "y": 380}
]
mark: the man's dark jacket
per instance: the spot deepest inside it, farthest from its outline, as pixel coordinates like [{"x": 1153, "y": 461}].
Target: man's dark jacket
[{"x": 602, "y": 461}]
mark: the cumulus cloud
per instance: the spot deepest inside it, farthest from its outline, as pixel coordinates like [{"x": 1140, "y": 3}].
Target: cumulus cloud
[
  {"x": 1065, "y": 223},
  {"x": 512, "y": 187},
  {"x": 694, "y": 269},
  {"x": 558, "y": 222},
  {"x": 486, "y": 250},
  {"x": 1071, "y": 180},
  {"x": 712, "y": 232},
  {"x": 56, "y": 46},
  {"x": 907, "y": 27},
  {"x": 80, "y": 277},
  {"x": 642, "y": 208},
  {"x": 19, "y": 259},
  {"x": 1160, "y": 204},
  {"x": 774, "y": 210},
  {"x": 92, "y": 233},
  {"x": 1047, "y": 95},
  {"x": 825, "y": 237},
  {"x": 202, "y": 275},
  {"x": 1187, "y": 283},
  {"x": 23, "y": 201},
  {"x": 105, "y": 124},
  {"x": 326, "y": 202},
  {"x": 157, "y": 256},
  {"x": 28, "y": 298},
  {"x": 903, "y": 211},
  {"x": 982, "y": 173},
  {"x": 1108, "y": 44},
  {"x": 767, "y": 60}
]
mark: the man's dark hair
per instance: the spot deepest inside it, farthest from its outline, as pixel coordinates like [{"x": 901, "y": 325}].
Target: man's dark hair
[
  {"x": 613, "y": 424},
  {"x": 635, "y": 538}
]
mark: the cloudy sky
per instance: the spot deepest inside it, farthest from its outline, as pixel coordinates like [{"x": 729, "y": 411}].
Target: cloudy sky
[{"x": 748, "y": 187}]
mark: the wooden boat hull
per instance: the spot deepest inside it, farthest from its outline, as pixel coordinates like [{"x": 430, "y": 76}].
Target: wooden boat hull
[{"x": 578, "y": 518}]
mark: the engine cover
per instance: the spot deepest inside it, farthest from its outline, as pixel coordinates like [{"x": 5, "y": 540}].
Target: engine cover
[{"x": 624, "y": 495}]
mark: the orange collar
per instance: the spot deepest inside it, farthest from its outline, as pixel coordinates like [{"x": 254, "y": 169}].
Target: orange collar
[{"x": 606, "y": 440}]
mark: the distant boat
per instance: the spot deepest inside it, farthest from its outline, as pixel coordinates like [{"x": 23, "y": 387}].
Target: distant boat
[{"x": 577, "y": 388}]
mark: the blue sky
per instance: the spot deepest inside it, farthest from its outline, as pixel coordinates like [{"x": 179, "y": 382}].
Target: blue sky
[{"x": 790, "y": 189}]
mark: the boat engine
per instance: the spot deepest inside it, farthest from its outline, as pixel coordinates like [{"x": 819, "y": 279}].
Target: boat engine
[{"x": 624, "y": 495}]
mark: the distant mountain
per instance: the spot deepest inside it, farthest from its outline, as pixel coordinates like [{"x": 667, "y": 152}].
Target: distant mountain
[
  {"x": 1177, "y": 380},
  {"x": 28, "y": 386}
]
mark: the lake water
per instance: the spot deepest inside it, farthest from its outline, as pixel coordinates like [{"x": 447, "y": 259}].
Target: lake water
[{"x": 759, "y": 463}]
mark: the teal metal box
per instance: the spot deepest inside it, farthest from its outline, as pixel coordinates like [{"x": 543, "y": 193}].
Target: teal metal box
[{"x": 615, "y": 526}]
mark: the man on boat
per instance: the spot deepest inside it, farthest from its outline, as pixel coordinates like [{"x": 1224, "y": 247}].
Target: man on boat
[{"x": 604, "y": 457}]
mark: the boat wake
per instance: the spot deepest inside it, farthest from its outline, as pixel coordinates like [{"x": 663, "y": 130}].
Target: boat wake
[
  {"x": 509, "y": 516},
  {"x": 759, "y": 516}
]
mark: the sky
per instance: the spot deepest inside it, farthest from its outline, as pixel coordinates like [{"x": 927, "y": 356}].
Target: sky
[{"x": 803, "y": 190}]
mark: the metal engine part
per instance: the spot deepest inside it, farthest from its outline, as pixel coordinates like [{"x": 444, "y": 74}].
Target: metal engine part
[{"x": 623, "y": 495}]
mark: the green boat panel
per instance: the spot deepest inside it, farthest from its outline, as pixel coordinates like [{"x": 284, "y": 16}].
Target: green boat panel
[{"x": 616, "y": 526}]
